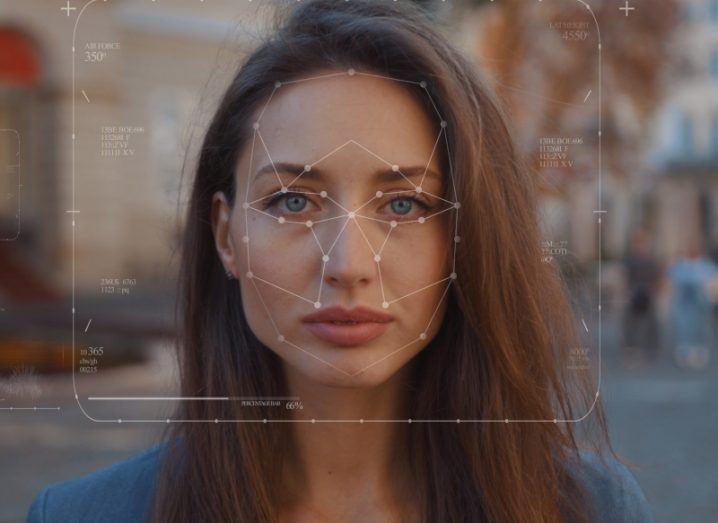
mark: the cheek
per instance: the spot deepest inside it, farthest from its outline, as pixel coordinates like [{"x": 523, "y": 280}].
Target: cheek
[
  {"x": 418, "y": 255},
  {"x": 284, "y": 254},
  {"x": 279, "y": 256}
]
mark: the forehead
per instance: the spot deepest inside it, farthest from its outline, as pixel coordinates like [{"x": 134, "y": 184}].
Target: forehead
[{"x": 312, "y": 120}]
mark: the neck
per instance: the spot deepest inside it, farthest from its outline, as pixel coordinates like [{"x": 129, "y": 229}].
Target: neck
[{"x": 344, "y": 467}]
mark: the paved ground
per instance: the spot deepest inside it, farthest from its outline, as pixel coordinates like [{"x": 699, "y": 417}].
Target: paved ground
[
  {"x": 663, "y": 419},
  {"x": 666, "y": 422}
]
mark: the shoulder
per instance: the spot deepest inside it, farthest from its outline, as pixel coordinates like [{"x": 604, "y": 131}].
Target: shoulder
[
  {"x": 613, "y": 490},
  {"x": 121, "y": 492}
]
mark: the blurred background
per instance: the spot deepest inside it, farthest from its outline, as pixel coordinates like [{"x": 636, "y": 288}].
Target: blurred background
[{"x": 101, "y": 220}]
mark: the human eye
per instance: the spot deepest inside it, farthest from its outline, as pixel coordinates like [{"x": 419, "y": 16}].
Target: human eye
[
  {"x": 290, "y": 202},
  {"x": 406, "y": 207}
]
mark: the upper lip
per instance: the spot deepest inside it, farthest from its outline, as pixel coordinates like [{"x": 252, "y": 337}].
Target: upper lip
[{"x": 338, "y": 313}]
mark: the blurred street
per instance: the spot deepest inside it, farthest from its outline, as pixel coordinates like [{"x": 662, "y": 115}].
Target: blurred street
[{"x": 664, "y": 420}]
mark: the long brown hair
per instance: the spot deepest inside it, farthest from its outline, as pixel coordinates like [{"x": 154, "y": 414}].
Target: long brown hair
[{"x": 501, "y": 352}]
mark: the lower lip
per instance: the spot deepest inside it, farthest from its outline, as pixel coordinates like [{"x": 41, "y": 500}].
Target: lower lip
[{"x": 347, "y": 335}]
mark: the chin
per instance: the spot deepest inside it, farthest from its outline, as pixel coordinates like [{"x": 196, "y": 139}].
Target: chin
[
  {"x": 358, "y": 371},
  {"x": 367, "y": 379}
]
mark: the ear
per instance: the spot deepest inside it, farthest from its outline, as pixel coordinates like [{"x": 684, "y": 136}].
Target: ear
[{"x": 221, "y": 229}]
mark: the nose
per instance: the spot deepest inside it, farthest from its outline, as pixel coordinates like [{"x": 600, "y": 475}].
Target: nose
[{"x": 351, "y": 261}]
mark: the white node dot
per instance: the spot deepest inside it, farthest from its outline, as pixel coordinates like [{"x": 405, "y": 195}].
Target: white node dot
[
  {"x": 443, "y": 123},
  {"x": 379, "y": 194},
  {"x": 280, "y": 338},
  {"x": 422, "y": 336},
  {"x": 265, "y": 420},
  {"x": 216, "y": 420},
  {"x": 119, "y": 421},
  {"x": 323, "y": 194},
  {"x": 418, "y": 189},
  {"x": 280, "y": 219},
  {"x": 453, "y": 275},
  {"x": 377, "y": 258},
  {"x": 351, "y": 72},
  {"x": 361, "y": 420},
  {"x": 307, "y": 168},
  {"x": 245, "y": 205},
  {"x": 351, "y": 215},
  {"x": 317, "y": 304},
  {"x": 395, "y": 168},
  {"x": 409, "y": 420},
  {"x": 506, "y": 420},
  {"x": 457, "y": 239},
  {"x": 255, "y": 125},
  {"x": 245, "y": 239},
  {"x": 457, "y": 205},
  {"x": 325, "y": 258},
  {"x": 309, "y": 223},
  {"x": 422, "y": 84},
  {"x": 385, "y": 304},
  {"x": 277, "y": 84},
  {"x": 421, "y": 219},
  {"x": 313, "y": 420},
  {"x": 393, "y": 223},
  {"x": 167, "y": 421},
  {"x": 250, "y": 274},
  {"x": 283, "y": 189},
  {"x": 458, "y": 421},
  {"x": 555, "y": 420}
]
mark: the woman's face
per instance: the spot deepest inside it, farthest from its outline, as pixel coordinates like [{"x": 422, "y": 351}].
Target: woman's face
[{"x": 343, "y": 255}]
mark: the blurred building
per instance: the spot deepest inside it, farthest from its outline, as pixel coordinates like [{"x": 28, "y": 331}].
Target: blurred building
[
  {"x": 685, "y": 149},
  {"x": 143, "y": 67}
]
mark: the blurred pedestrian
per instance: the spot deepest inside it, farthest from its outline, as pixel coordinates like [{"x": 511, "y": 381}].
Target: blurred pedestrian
[
  {"x": 691, "y": 310},
  {"x": 640, "y": 321}
]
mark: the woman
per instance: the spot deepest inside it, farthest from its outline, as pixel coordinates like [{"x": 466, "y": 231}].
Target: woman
[{"x": 362, "y": 239}]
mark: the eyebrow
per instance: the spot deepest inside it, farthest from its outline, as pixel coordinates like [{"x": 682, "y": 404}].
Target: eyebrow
[{"x": 381, "y": 175}]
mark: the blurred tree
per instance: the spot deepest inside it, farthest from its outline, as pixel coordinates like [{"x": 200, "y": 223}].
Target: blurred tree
[{"x": 542, "y": 59}]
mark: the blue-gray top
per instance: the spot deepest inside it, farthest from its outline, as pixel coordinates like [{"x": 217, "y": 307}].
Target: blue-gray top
[{"x": 124, "y": 492}]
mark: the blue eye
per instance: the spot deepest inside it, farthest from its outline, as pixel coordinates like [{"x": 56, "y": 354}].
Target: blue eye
[
  {"x": 401, "y": 205},
  {"x": 295, "y": 202}
]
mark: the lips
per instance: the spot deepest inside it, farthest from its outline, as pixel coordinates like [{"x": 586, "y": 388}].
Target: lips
[{"x": 347, "y": 327}]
